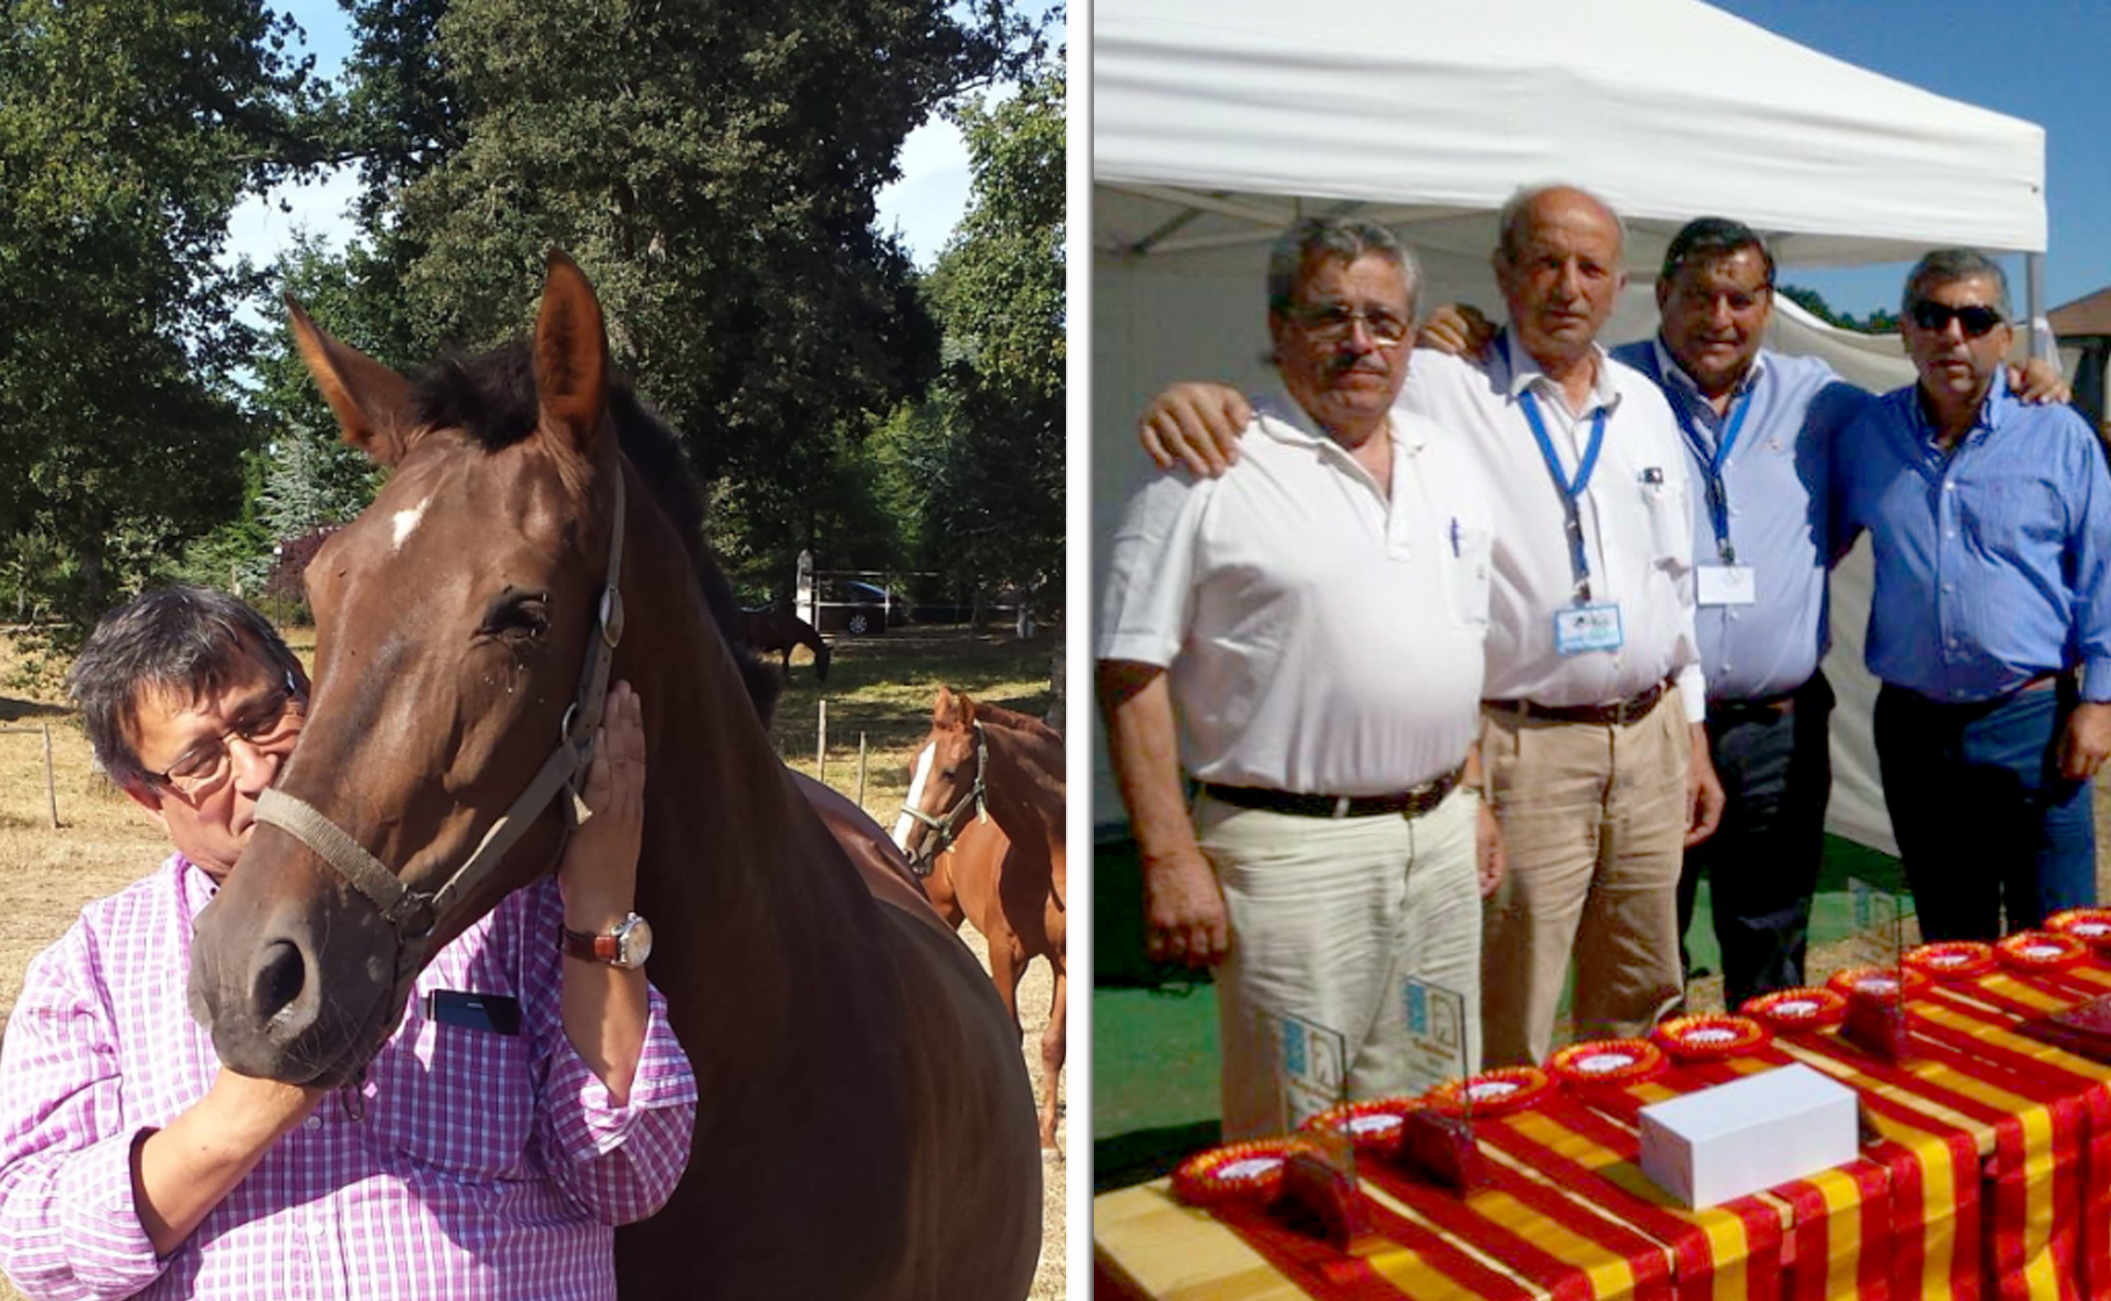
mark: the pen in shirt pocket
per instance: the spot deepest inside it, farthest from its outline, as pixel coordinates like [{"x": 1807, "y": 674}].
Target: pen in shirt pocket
[{"x": 1454, "y": 537}]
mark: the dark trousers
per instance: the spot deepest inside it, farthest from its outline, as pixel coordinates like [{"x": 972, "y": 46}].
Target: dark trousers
[
  {"x": 1762, "y": 862},
  {"x": 1985, "y": 823}
]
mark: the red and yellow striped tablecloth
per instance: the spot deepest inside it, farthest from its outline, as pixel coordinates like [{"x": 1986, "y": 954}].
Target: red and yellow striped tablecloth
[{"x": 1988, "y": 1175}]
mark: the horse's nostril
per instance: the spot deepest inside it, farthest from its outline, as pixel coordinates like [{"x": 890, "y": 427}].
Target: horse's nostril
[{"x": 280, "y": 975}]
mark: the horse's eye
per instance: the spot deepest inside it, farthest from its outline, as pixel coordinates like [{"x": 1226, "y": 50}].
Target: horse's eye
[{"x": 518, "y": 616}]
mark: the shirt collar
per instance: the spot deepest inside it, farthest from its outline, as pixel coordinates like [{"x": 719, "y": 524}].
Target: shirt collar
[
  {"x": 1290, "y": 423},
  {"x": 1669, "y": 368},
  {"x": 1524, "y": 372}
]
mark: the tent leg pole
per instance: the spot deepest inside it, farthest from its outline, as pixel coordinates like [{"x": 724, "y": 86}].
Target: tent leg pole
[{"x": 2041, "y": 341}]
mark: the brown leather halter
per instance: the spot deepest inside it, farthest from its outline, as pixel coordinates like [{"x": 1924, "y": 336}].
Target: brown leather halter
[{"x": 414, "y": 913}]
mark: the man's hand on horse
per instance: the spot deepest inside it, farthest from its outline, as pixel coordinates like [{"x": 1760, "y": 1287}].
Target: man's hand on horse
[
  {"x": 1183, "y": 912},
  {"x": 598, "y": 877},
  {"x": 1196, "y": 425}
]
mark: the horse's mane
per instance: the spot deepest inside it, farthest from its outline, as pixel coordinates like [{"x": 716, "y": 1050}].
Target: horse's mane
[
  {"x": 491, "y": 398},
  {"x": 1017, "y": 722}
]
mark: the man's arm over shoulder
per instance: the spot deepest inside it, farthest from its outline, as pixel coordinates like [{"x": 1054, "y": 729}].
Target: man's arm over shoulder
[{"x": 1195, "y": 424}]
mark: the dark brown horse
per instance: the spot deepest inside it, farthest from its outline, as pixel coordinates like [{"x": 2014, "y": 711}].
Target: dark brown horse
[
  {"x": 985, "y": 814},
  {"x": 773, "y": 629},
  {"x": 866, "y": 1127}
]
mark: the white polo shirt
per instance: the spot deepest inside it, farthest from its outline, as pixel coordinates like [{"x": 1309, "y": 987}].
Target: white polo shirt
[
  {"x": 1636, "y": 515},
  {"x": 1321, "y": 638}
]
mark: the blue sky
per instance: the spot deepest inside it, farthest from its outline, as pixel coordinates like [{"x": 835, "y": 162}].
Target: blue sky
[
  {"x": 923, "y": 206},
  {"x": 2039, "y": 60}
]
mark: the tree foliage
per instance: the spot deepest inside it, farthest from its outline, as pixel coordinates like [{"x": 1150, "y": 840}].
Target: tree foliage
[
  {"x": 1880, "y": 321},
  {"x": 714, "y": 169},
  {"x": 128, "y": 130},
  {"x": 992, "y": 448}
]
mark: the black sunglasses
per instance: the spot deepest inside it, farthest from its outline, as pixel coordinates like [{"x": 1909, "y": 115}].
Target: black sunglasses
[{"x": 1977, "y": 319}]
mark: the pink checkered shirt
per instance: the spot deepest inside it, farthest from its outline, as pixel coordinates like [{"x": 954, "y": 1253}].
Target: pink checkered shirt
[{"x": 486, "y": 1165}]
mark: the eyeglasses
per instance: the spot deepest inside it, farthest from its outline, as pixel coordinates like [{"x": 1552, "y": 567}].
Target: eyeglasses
[
  {"x": 1332, "y": 323},
  {"x": 204, "y": 767},
  {"x": 1976, "y": 318}
]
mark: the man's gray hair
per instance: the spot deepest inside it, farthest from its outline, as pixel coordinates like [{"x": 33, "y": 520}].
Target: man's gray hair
[
  {"x": 188, "y": 642},
  {"x": 1947, "y": 266},
  {"x": 1330, "y": 238},
  {"x": 1513, "y": 214}
]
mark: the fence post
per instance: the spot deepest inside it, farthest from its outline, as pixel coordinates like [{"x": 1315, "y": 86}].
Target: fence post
[
  {"x": 861, "y": 770},
  {"x": 51, "y": 790},
  {"x": 821, "y": 745}
]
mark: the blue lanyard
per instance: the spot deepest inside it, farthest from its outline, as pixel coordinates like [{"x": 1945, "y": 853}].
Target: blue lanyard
[
  {"x": 1718, "y": 492},
  {"x": 1571, "y": 490}
]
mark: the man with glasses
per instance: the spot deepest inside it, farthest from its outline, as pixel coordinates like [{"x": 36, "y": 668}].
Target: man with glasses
[
  {"x": 1304, "y": 635},
  {"x": 1990, "y": 625},
  {"x": 529, "y": 1102}
]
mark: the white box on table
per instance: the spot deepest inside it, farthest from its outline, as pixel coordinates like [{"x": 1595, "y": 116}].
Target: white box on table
[{"x": 1737, "y": 1138}]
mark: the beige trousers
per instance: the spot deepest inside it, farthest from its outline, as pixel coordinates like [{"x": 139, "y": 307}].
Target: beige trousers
[
  {"x": 1327, "y": 918},
  {"x": 1593, "y": 818}
]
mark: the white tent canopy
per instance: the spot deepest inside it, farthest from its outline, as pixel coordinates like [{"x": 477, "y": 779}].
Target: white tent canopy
[
  {"x": 1422, "y": 111},
  {"x": 1216, "y": 123}
]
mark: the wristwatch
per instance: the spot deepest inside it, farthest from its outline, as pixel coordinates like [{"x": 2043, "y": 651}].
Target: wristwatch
[{"x": 626, "y": 946}]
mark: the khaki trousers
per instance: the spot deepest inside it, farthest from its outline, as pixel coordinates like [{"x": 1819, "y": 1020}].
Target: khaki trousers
[
  {"x": 1327, "y": 918},
  {"x": 1593, "y": 817}
]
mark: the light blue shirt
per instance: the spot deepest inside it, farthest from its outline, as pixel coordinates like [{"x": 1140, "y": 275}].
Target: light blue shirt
[
  {"x": 1776, "y": 480},
  {"x": 1991, "y": 562}
]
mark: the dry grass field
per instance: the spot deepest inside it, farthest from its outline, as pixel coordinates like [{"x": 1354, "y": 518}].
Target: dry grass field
[{"x": 881, "y": 687}]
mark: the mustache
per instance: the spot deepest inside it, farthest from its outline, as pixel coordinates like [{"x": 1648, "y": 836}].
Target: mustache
[{"x": 1369, "y": 363}]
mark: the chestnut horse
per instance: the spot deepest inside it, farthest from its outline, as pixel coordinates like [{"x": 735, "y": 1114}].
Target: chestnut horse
[
  {"x": 780, "y": 630},
  {"x": 982, "y": 762},
  {"x": 866, "y": 1127}
]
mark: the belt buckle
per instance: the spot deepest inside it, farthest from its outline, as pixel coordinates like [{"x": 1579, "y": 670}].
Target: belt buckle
[{"x": 1341, "y": 808}]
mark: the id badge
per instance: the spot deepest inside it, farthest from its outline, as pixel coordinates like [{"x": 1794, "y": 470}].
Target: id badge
[
  {"x": 1581, "y": 628},
  {"x": 1724, "y": 585}
]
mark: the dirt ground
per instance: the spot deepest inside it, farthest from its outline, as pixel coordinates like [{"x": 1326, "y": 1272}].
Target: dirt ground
[{"x": 104, "y": 843}]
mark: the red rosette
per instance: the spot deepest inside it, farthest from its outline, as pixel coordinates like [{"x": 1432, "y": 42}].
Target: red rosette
[
  {"x": 1608, "y": 1061},
  {"x": 2041, "y": 951},
  {"x": 1707, "y": 1036},
  {"x": 1373, "y": 1125},
  {"x": 2092, "y": 926},
  {"x": 1951, "y": 959},
  {"x": 1798, "y": 1009},
  {"x": 1492, "y": 1093},
  {"x": 1236, "y": 1172},
  {"x": 1877, "y": 982}
]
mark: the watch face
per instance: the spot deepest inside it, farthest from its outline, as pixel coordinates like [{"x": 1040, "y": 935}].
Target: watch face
[{"x": 633, "y": 942}]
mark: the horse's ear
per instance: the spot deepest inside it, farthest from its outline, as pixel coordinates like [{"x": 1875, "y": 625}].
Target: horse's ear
[
  {"x": 571, "y": 351},
  {"x": 371, "y": 401},
  {"x": 946, "y": 711}
]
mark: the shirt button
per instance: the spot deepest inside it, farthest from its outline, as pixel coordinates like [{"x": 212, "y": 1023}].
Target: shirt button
[
  {"x": 1949, "y": 487},
  {"x": 312, "y": 1122}
]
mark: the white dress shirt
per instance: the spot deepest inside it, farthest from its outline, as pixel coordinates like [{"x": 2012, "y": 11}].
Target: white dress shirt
[
  {"x": 1321, "y": 638},
  {"x": 1635, "y": 512}
]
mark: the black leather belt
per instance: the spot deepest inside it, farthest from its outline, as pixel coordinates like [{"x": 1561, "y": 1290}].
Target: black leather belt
[
  {"x": 1409, "y": 803},
  {"x": 1779, "y": 704},
  {"x": 1617, "y": 714}
]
